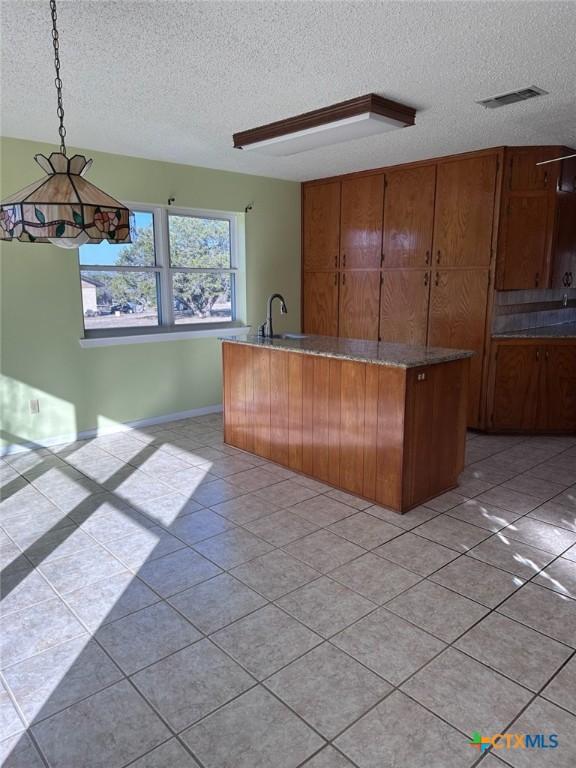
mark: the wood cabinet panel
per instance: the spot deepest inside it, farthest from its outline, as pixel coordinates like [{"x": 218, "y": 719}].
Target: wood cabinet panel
[
  {"x": 321, "y": 418},
  {"x": 516, "y": 387},
  {"x": 370, "y": 431},
  {"x": 464, "y": 211},
  {"x": 524, "y": 242},
  {"x": 320, "y": 303},
  {"x": 334, "y": 425},
  {"x": 295, "y": 410},
  {"x": 261, "y": 400},
  {"x": 404, "y": 296},
  {"x": 321, "y": 226},
  {"x": 436, "y": 407},
  {"x": 361, "y": 222},
  {"x": 279, "y": 418},
  {"x": 564, "y": 266},
  {"x": 409, "y": 217},
  {"x": 389, "y": 448},
  {"x": 344, "y": 421},
  {"x": 523, "y": 173},
  {"x": 560, "y": 387},
  {"x": 457, "y": 319},
  {"x": 567, "y": 181},
  {"x": 352, "y": 403},
  {"x": 359, "y": 305}
]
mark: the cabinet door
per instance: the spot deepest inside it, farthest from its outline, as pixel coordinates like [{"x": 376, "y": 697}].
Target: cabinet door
[
  {"x": 320, "y": 302},
  {"x": 524, "y": 242},
  {"x": 567, "y": 182},
  {"x": 516, "y": 387},
  {"x": 361, "y": 222},
  {"x": 560, "y": 387},
  {"x": 524, "y": 175},
  {"x": 564, "y": 262},
  {"x": 464, "y": 211},
  {"x": 404, "y": 306},
  {"x": 409, "y": 217},
  {"x": 457, "y": 319},
  {"x": 321, "y": 226},
  {"x": 359, "y": 305}
]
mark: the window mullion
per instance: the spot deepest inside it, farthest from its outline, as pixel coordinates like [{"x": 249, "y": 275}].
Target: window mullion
[{"x": 163, "y": 261}]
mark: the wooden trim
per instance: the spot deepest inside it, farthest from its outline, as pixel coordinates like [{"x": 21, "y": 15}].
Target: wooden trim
[{"x": 351, "y": 108}]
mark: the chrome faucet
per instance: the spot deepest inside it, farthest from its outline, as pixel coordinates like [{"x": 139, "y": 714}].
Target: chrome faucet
[{"x": 266, "y": 330}]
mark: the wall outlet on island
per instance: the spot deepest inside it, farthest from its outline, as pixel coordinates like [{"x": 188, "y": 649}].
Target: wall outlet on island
[{"x": 34, "y": 406}]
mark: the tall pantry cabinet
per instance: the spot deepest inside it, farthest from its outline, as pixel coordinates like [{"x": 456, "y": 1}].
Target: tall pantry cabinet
[{"x": 415, "y": 247}]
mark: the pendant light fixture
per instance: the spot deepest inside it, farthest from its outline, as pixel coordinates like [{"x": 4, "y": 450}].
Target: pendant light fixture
[{"x": 63, "y": 208}]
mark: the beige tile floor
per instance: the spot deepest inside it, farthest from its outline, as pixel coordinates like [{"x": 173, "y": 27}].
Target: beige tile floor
[{"x": 170, "y": 602}]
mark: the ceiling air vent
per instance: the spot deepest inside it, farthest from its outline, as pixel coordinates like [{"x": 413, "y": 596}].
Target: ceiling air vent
[{"x": 511, "y": 98}]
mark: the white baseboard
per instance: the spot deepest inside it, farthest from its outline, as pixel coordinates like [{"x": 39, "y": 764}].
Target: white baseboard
[{"x": 48, "y": 442}]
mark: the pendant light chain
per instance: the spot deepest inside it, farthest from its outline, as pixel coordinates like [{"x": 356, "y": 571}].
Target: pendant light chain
[{"x": 58, "y": 81}]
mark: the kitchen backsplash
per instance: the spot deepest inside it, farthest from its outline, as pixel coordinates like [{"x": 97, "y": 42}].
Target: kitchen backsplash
[{"x": 519, "y": 310}]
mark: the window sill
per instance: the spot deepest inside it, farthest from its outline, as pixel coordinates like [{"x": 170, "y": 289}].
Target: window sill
[{"x": 145, "y": 338}]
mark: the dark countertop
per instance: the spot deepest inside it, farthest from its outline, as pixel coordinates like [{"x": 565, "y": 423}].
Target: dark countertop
[
  {"x": 561, "y": 331},
  {"x": 380, "y": 353}
]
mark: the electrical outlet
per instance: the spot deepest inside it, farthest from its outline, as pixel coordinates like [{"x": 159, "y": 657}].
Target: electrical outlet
[{"x": 34, "y": 406}]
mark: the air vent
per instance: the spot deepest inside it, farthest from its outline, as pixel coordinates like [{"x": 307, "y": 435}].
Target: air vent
[{"x": 511, "y": 98}]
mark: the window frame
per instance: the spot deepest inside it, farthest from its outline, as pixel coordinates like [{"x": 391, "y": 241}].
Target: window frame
[{"x": 164, "y": 270}]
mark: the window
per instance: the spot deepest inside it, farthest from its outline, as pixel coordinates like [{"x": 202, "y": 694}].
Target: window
[{"x": 179, "y": 271}]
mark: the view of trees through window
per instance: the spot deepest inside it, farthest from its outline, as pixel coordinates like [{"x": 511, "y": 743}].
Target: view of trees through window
[{"x": 123, "y": 285}]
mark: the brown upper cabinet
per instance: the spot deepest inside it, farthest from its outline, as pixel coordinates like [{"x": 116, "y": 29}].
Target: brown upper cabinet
[
  {"x": 361, "y": 222},
  {"x": 537, "y": 225},
  {"x": 321, "y": 226},
  {"x": 524, "y": 175},
  {"x": 409, "y": 217},
  {"x": 464, "y": 211}
]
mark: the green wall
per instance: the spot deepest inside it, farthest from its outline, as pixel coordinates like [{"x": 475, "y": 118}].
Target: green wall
[{"x": 80, "y": 389}]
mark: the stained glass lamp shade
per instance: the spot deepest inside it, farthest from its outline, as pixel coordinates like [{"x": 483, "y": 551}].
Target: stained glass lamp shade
[{"x": 64, "y": 208}]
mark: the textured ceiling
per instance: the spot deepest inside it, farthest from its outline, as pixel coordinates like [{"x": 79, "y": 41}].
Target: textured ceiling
[{"x": 173, "y": 80}]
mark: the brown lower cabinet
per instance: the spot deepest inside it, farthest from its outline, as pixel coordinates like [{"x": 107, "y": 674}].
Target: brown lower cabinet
[{"x": 533, "y": 386}]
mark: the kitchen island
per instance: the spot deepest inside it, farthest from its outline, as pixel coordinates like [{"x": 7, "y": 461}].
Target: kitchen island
[{"x": 383, "y": 421}]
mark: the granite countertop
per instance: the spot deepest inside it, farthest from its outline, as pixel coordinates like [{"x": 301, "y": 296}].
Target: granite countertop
[
  {"x": 561, "y": 331},
  {"x": 380, "y": 353}
]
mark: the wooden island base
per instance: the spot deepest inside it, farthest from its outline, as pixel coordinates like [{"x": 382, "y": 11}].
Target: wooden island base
[{"x": 394, "y": 435}]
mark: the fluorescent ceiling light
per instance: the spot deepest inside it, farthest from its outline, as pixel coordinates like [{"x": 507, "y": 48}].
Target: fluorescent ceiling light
[{"x": 348, "y": 120}]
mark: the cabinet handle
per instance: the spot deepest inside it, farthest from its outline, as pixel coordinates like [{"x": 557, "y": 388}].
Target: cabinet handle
[
  {"x": 547, "y": 355},
  {"x": 438, "y": 257},
  {"x": 336, "y": 261},
  {"x": 537, "y": 279},
  {"x": 382, "y": 259},
  {"x": 545, "y": 178},
  {"x": 426, "y": 279},
  {"x": 437, "y": 281},
  {"x": 537, "y": 354},
  {"x": 427, "y": 257},
  {"x": 343, "y": 279},
  {"x": 344, "y": 258}
]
